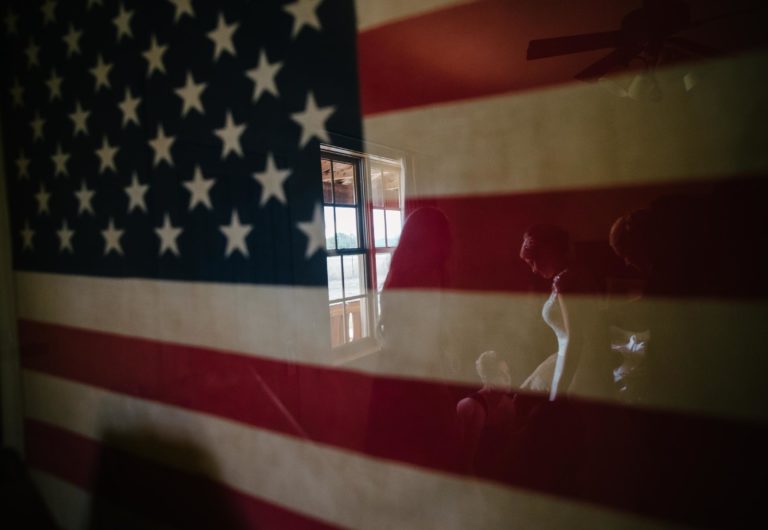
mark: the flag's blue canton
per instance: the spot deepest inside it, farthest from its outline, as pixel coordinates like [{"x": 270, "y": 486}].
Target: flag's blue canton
[{"x": 174, "y": 139}]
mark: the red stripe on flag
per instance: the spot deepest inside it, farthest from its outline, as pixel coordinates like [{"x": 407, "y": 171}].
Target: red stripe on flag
[
  {"x": 479, "y": 48},
  {"x": 678, "y": 467},
  {"x": 125, "y": 484},
  {"x": 709, "y": 237}
]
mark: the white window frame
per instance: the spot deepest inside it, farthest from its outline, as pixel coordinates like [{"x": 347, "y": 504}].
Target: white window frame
[{"x": 369, "y": 344}]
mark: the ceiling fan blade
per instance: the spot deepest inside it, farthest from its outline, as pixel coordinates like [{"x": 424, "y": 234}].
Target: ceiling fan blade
[
  {"x": 541, "y": 48},
  {"x": 617, "y": 58}
]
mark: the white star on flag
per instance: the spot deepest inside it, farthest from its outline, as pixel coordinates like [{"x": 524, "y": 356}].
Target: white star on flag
[
  {"x": 106, "y": 154},
  {"x": 27, "y": 234},
  {"x": 84, "y": 197},
  {"x": 222, "y": 37},
  {"x": 48, "y": 9},
  {"x": 128, "y": 108},
  {"x": 154, "y": 56},
  {"x": 136, "y": 192},
  {"x": 236, "y": 234},
  {"x": 263, "y": 76},
  {"x": 60, "y": 159},
  {"x": 37, "y": 127},
  {"x": 72, "y": 40},
  {"x": 33, "y": 54},
  {"x": 65, "y": 237},
  {"x": 161, "y": 144},
  {"x": 312, "y": 121},
  {"x": 190, "y": 94},
  {"x": 100, "y": 73},
  {"x": 168, "y": 235},
  {"x": 315, "y": 232},
  {"x": 54, "y": 86},
  {"x": 43, "y": 199},
  {"x": 304, "y": 13},
  {"x": 230, "y": 136},
  {"x": 183, "y": 7},
  {"x": 22, "y": 166},
  {"x": 122, "y": 23},
  {"x": 199, "y": 188},
  {"x": 112, "y": 237},
  {"x": 272, "y": 181},
  {"x": 79, "y": 118},
  {"x": 17, "y": 93}
]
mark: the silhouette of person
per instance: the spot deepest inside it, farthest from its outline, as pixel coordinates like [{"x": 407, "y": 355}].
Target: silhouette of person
[
  {"x": 487, "y": 418},
  {"x": 412, "y": 329}
]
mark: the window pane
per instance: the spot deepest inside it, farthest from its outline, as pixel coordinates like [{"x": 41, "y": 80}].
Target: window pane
[
  {"x": 391, "y": 178},
  {"x": 325, "y": 165},
  {"x": 346, "y": 227},
  {"x": 378, "y": 228},
  {"x": 338, "y": 329},
  {"x": 377, "y": 186},
  {"x": 330, "y": 228},
  {"x": 357, "y": 319},
  {"x": 334, "y": 278},
  {"x": 394, "y": 227},
  {"x": 344, "y": 183},
  {"x": 354, "y": 275},
  {"x": 383, "y": 260}
]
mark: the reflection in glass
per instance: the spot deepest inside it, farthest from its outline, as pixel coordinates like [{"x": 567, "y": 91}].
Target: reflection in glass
[
  {"x": 338, "y": 329},
  {"x": 334, "y": 278},
  {"x": 357, "y": 319},
  {"x": 327, "y": 183},
  {"x": 391, "y": 179},
  {"x": 346, "y": 227},
  {"x": 394, "y": 227},
  {"x": 353, "y": 275},
  {"x": 344, "y": 183},
  {"x": 383, "y": 260},
  {"x": 330, "y": 228},
  {"x": 379, "y": 233},
  {"x": 377, "y": 186}
]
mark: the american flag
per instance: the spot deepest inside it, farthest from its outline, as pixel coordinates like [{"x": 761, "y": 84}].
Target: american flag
[{"x": 164, "y": 187}]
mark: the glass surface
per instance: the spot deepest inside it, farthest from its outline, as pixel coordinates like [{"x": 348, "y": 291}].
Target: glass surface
[
  {"x": 325, "y": 166},
  {"x": 394, "y": 227},
  {"x": 354, "y": 275},
  {"x": 383, "y": 260},
  {"x": 330, "y": 228},
  {"x": 338, "y": 328},
  {"x": 344, "y": 183},
  {"x": 377, "y": 186},
  {"x": 346, "y": 227},
  {"x": 379, "y": 235},
  {"x": 357, "y": 319},
  {"x": 334, "y": 278},
  {"x": 391, "y": 180}
]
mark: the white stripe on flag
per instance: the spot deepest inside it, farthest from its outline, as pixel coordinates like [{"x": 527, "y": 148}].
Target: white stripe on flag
[{"x": 320, "y": 481}]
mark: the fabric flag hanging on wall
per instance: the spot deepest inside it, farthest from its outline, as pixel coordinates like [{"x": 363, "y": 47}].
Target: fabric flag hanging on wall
[{"x": 164, "y": 180}]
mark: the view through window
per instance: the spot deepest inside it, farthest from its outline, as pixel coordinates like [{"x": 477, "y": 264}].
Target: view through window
[{"x": 363, "y": 219}]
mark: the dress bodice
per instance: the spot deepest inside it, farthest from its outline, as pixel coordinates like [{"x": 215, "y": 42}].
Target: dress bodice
[{"x": 553, "y": 316}]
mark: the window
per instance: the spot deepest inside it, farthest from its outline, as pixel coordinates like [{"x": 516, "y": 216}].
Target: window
[{"x": 362, "y": 201}]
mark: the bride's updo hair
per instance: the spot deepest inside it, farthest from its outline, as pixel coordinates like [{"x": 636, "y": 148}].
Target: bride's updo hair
[{"x": 545, "y": 240}]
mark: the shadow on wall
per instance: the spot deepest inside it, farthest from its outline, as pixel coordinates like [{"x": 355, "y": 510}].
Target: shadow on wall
[
  {"x": 130, "y": 492},
  {"x": 21, "y": 505}
]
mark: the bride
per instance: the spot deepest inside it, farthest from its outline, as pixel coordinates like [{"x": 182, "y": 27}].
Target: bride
[{"x": 580, "y": 365}]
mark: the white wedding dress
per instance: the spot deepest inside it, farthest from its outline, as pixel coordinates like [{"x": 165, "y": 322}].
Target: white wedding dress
[{"x": 541, "y": 378}]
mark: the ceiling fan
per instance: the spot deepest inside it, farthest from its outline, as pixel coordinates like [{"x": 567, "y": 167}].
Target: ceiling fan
[{"x": 647, "y": 35}]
